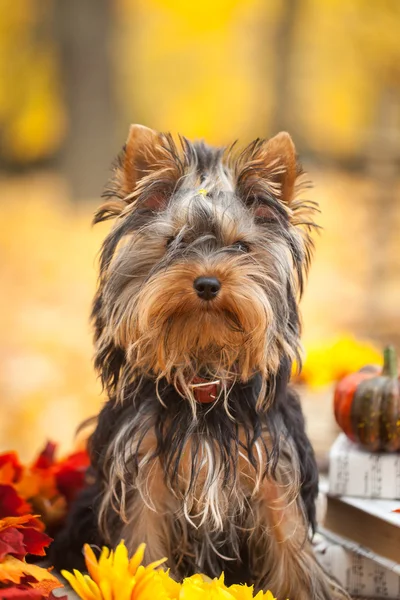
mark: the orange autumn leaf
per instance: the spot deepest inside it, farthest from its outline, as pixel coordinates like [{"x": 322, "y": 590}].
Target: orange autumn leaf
[
  {"x": 20, "y": 536},
  {"x": 11, "y": 459},
  {"x": 14, "y": 570},
  {"x": 46, "y": 586},
  {"x": 23, "y": 520},
  {"x": 7, "y": 474},
  {"x": 37, "y": 482},
  {"x": 32, "y": 481},
  {"x": 29, "y": 485}
]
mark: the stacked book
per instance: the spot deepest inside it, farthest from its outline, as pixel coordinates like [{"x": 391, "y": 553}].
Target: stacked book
[{"x": 359, "y": 540}]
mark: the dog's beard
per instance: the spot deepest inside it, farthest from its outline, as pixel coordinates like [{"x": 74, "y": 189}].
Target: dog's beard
[{"x": 168, "y": 332}]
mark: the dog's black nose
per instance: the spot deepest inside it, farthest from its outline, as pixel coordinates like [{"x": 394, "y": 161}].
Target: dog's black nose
[{"x": 207, "y": 287}]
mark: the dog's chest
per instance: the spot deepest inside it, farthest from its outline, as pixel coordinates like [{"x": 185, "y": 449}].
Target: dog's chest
[{"x": 206, "y": 479}]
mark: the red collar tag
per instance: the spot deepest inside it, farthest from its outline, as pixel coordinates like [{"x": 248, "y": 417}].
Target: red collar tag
[{"x": 205, "y": 391}]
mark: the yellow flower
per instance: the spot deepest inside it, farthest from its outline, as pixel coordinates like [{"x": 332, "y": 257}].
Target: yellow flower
[
  {"x": 329, "y": 361},
  {"x": 116, "y": 577},
  {"x": 245, "y": 592},
  {"x": 198, "y": 587}
]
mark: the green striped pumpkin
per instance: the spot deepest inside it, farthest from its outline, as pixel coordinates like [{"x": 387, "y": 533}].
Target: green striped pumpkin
[{"x": 367, "y": 405}]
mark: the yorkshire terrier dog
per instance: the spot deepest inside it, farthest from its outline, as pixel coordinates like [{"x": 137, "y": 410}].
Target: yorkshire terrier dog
[{"x": 201, "y": 450}]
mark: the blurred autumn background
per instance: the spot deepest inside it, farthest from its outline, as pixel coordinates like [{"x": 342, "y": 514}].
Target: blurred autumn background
[{"x": 75, "y": 73}]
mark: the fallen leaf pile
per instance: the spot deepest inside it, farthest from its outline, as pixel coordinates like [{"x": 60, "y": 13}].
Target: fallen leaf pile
[
  {"x": 20, "y": 536},
  {"x": 46, "y": 487}
]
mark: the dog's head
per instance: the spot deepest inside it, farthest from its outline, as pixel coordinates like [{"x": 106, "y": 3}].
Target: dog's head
[{"x": 203, "y": 267}]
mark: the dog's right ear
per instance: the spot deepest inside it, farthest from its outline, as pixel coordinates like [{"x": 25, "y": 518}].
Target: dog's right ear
[
  {"x": 142, "y": 155},
  {"x": 148, "y": 164}
]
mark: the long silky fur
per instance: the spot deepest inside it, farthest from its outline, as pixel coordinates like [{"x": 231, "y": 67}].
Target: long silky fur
[
  {"x": 228, "y": 486},
  {"x": 143, "y": 453}
]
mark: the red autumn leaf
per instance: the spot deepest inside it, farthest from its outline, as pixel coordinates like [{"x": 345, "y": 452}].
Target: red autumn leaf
[
  {"x": 12, "y": 542},
  {"x": 46, "y": 458},
  {"x": 11, "y": 504},
  {"x": 21, "y": 536},
  {"x": 12, "y": 459},
  {"x": 35, "y": 541},
  {"x": 48, "y": 485},
  {"x": 21, "y": 592},
  {"x": 70, "y": 474},
  {"x": 29, "y": 589}
]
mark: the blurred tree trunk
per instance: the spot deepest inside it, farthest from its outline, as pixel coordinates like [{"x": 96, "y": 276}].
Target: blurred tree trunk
[
  {"x": 83, "y": 33},
  {"x": 284, "y": 47}
]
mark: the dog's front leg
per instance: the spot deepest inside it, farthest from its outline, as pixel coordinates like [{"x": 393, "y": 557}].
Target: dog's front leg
[
  {"x": 280, "y": 550},
  {"x": 147, "y": 524}
]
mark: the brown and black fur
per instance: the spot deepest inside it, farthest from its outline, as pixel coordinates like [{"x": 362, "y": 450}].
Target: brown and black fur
[{"x": 224, "y": 486}]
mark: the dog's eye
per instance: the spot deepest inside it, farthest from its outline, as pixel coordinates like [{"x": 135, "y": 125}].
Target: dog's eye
[{"x": 240, "y": 247}]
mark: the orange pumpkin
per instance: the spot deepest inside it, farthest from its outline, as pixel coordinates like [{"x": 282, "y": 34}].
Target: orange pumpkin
[{"x": 367, "y": 405}]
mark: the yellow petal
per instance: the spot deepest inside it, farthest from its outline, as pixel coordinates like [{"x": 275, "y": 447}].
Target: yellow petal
[
  {"x": 243, "y": 592},
  {"x": 88, "y": 595},
  {"x": 144, "y": 581},
  {"x": 105, "y": 564},
  {"x": 106, "y": 590},
  {"x": 156, "y": 564},
  {"x": 171, "y": 587},
  {"x": 72, "y": 581},
  {"x": 124, "y": 590},
  {"x": 104, "y": 554},
  {"x": 76, "y": 584},
  {"x": 93, "y": 587},
  {"x": 137, "y": 559},
  {"x": 121, "y": 561},
  {"x": 91, "y": 562}
]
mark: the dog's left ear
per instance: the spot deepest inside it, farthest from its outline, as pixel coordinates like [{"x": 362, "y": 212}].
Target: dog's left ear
[
  {"x": 267, "y": 175},
  {"x": 271, "y": 164},
  {"x": 278, "y": 156}
]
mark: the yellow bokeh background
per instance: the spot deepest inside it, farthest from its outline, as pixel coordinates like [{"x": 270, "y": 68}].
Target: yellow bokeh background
[{"x": 219, "y": 70}]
